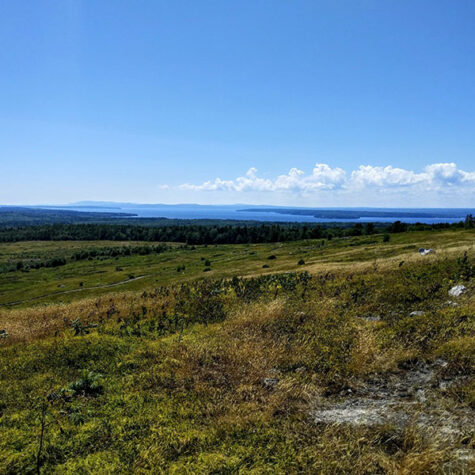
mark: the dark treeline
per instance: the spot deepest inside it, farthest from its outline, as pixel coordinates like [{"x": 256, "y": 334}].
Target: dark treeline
[
  {"x": 26, "y": 265},
  {"x": 212, "y": 233},
  {"x": 108, "y": 252},
  {"x": 86, "y": 254}
]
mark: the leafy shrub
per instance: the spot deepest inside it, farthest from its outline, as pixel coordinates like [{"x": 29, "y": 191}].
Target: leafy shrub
[
  {"x": 202, "y": 302},
  {"x": 88, "y": 385},
  {"x": 80, "y": 328}
]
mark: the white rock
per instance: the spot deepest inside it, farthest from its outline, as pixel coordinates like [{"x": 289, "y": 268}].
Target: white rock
[
  {"x": 416, "y": 313},
  {"x": 457, "y": 291},
  {"x": 372, "y": 318},
  {"x": 424, "y": 252},
  {"x": 441, "y": 362}
]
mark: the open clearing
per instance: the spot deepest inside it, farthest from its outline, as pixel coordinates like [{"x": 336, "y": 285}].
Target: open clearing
[
  {"x": 96, "y": 275},
  {"x": 357, "y": 361}
]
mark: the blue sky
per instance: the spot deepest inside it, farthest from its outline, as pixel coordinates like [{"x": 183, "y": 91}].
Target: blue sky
[{"x": 319, "y": 103}]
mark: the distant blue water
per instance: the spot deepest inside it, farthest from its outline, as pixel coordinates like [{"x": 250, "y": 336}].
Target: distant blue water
[{"x": 232, "y": 212}]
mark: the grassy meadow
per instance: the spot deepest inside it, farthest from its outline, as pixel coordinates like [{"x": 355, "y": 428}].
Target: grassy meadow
[
  {"x": 321, "y": 356},
  {"x": 85, "y": 278}
]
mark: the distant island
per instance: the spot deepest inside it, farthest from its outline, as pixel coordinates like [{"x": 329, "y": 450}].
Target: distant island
[{"x": 363, "y": 213}]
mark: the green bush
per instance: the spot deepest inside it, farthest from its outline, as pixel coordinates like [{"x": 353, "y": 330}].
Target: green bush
[{"x": 88, "y": 385}]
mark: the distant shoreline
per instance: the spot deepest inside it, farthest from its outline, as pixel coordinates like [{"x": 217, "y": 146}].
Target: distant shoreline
[
  {"x": 237, "y": 213},
  {"x": 359, "y": 214}
]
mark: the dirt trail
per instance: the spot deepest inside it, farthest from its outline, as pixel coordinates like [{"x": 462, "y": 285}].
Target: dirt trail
[{"x": 81, "y": 289}]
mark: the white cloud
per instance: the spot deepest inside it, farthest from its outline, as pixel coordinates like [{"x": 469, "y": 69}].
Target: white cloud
[
  {"x": 389, "y": 176},
  {"x": 323, "y": 178},
  {"x": 449, "y": 174}
]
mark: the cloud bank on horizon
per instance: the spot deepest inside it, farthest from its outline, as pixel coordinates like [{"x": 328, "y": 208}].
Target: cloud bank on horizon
[{"x": 441, "y": 178}]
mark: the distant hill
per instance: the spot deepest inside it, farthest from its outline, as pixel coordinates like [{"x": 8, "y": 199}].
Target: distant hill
[{"x": 18, "y": 216}]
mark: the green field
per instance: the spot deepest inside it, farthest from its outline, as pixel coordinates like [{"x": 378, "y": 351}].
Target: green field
[
  {"x": 317, "y": 367},
  {"x": 100, "y": 275}
]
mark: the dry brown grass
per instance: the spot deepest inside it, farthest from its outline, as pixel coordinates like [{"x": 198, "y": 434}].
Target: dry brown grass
[
  {"x": 29, "y": 324},
  {"x": 369, "y": 355}
]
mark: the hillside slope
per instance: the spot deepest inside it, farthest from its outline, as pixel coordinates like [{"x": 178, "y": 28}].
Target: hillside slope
[{"x": 359, "y": 366}]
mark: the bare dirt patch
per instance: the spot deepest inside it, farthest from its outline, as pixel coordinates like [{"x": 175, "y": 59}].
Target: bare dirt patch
[{"x": 412, "y": 397}]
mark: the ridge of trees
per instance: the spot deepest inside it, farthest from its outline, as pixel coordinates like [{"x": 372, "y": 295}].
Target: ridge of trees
[{"x": 215, "y": 233}]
